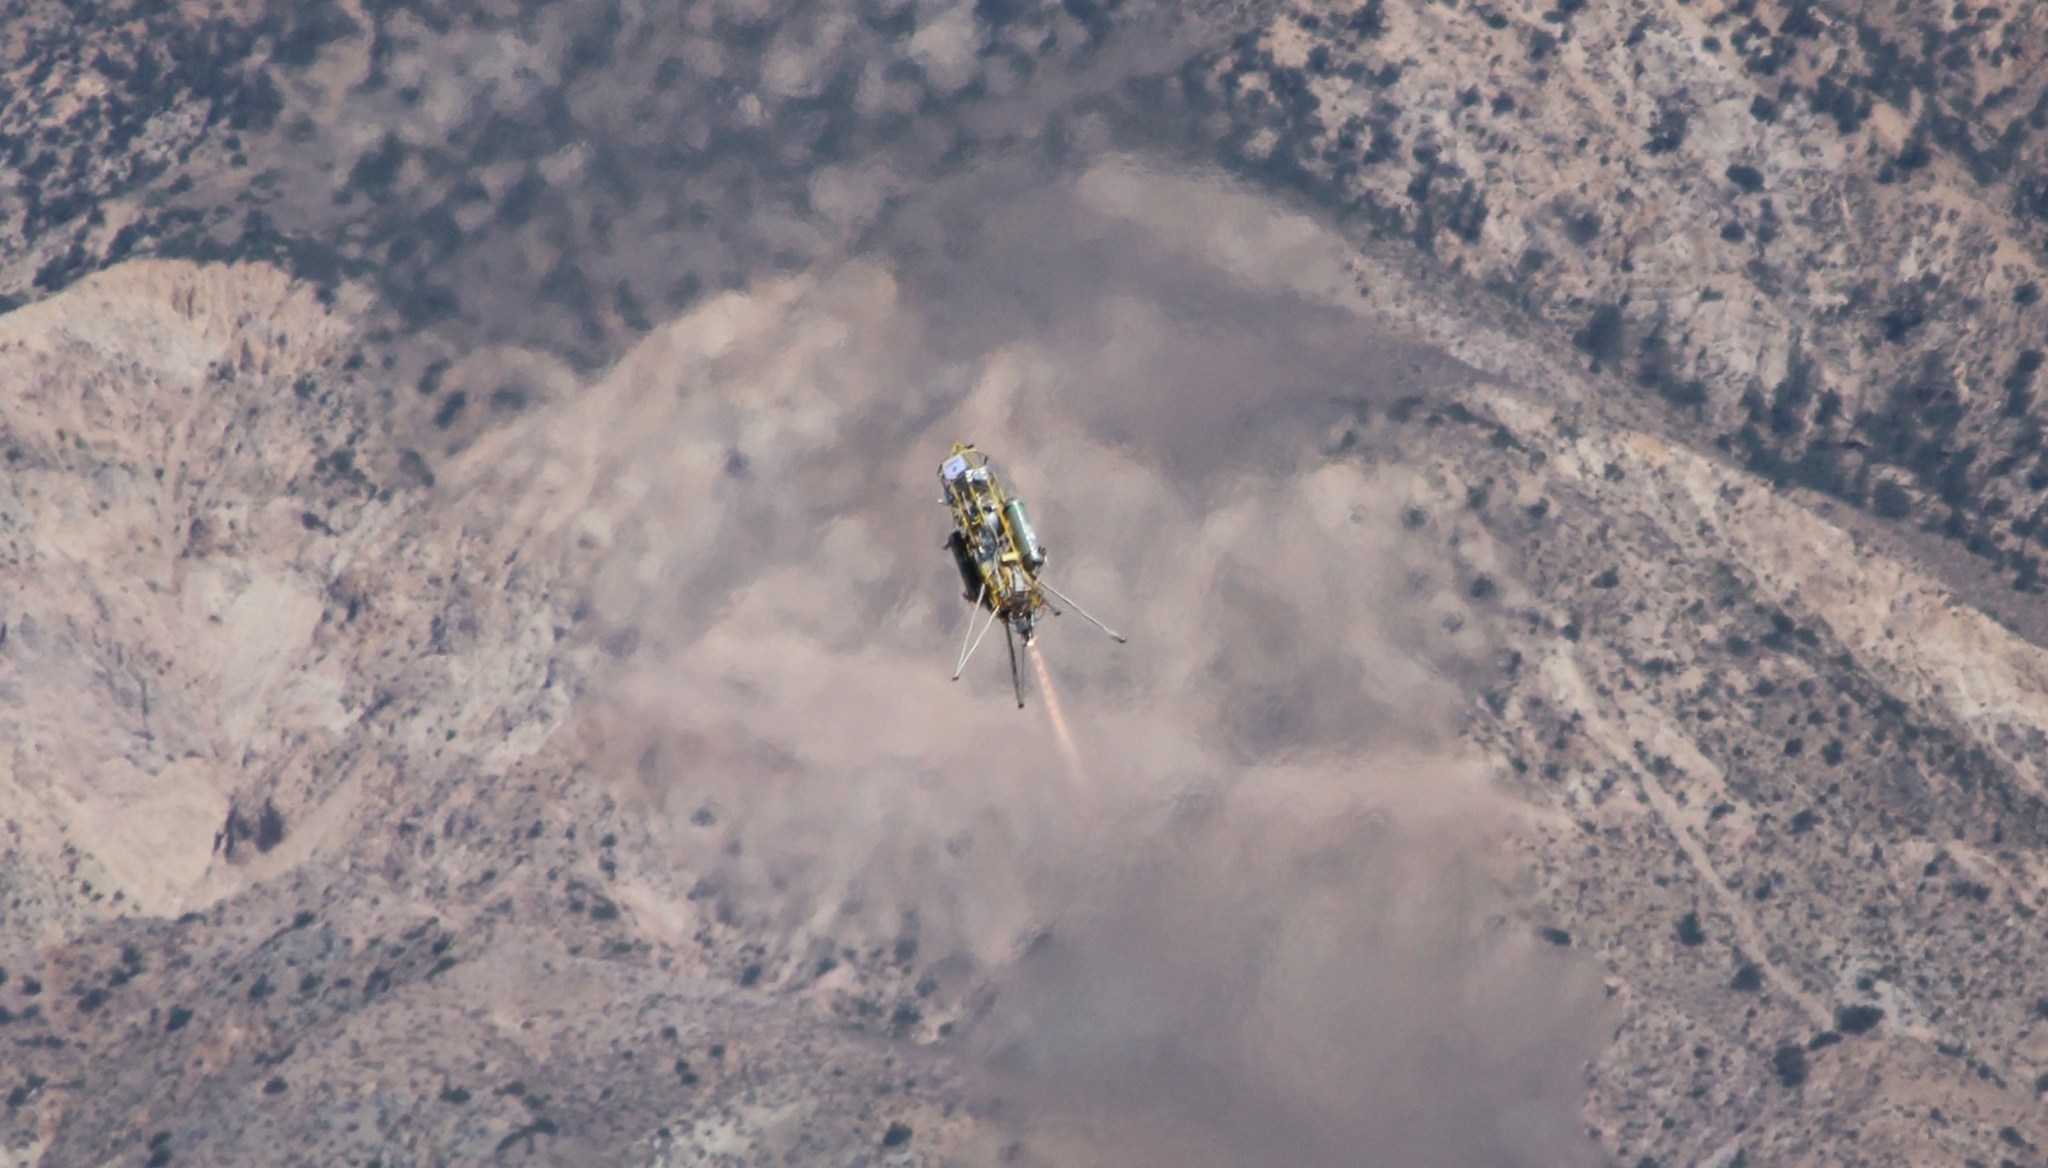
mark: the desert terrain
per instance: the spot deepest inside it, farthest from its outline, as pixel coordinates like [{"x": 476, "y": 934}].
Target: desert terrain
[{"x": 475, "y": 622}]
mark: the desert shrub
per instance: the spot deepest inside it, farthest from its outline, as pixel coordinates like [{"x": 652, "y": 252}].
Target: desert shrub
[
  {"x": 1789, "y": 1062},
  {"x": 1793, "y": 394},
  {"x": 1899, "y": 323},
  {"x": 256, "y": 105},
  {"x": 24, "y": 1091},
  {"x": 1890, "y": 501},
  {"x": 1582, "y": 228},
  {"x": 299, "y": 31},
  {"x": 269, "y": 827},
  {"x": 1689, "y": 931},
  {"x": 541, "y": 1126},
  {"x": 1799, "y": 21},
  {"x": 1667, "y": 133},
  {"x": 1844, "y": 105},
  {"x": 450, "y": 409},
  {"x": 2019, "y": 398},
  {"x": 1602, "y": 336},
  {"x": 377, "y": 167}
]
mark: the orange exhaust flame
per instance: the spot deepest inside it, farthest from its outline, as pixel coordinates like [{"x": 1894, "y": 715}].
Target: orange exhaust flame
[{"x": 1068, "y": 752}]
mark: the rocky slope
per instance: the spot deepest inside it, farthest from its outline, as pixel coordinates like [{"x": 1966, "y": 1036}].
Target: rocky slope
[{"x": 471, "y": 663}]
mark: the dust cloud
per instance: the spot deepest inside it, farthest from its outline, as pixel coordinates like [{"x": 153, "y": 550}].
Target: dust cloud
[{"x": 1267, "y": 929}]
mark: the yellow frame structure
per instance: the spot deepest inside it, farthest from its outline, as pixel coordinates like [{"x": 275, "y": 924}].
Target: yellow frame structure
[{"x": 981, "y": 517}]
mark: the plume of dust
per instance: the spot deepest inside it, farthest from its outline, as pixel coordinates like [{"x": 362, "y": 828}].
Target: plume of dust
[
  {"x": 1279, "y": 895},
  {"x": 1068, "y": 752}
]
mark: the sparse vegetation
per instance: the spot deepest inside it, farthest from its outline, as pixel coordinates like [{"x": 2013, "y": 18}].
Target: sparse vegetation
[
  {"x": 375, "y": 171},
  {"x": 1857, "y": 1019},
  {"x": 1603, "y": 335},
  {"x": 539, "y": 1126},
  {"x": 1789, "y": 1063},
  {"x": 1689, "y": 931},
  {"x": 1668, "y": 132},
  {"x": 24, "y": 1091},
  {"x": 1915, "y": 399},
  {"x": 1890, "y": 501}
]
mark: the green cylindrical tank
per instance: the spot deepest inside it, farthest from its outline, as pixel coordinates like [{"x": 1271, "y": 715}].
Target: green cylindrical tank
[{"x": 1027, "y": 539}]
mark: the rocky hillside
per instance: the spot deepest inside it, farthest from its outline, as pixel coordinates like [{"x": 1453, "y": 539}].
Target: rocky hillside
[
  {"x": 473, "y": 656},
  {"x": 1814, "y": 234}
]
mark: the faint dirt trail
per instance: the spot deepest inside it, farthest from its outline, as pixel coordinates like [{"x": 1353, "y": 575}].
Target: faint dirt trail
[{"x": 1615, "y": 734}]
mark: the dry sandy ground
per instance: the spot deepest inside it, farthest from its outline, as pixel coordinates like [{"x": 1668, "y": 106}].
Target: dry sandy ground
[{"x": 582, "y": 781}]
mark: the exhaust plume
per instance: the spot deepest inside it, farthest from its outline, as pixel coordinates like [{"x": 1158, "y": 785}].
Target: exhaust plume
[{"x": 1068, "y": 752}]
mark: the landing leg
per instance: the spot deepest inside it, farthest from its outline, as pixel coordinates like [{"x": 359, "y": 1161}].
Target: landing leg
[
  {"x": 1116, "y": 636},
  {"x": 966, "y": 648}
]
